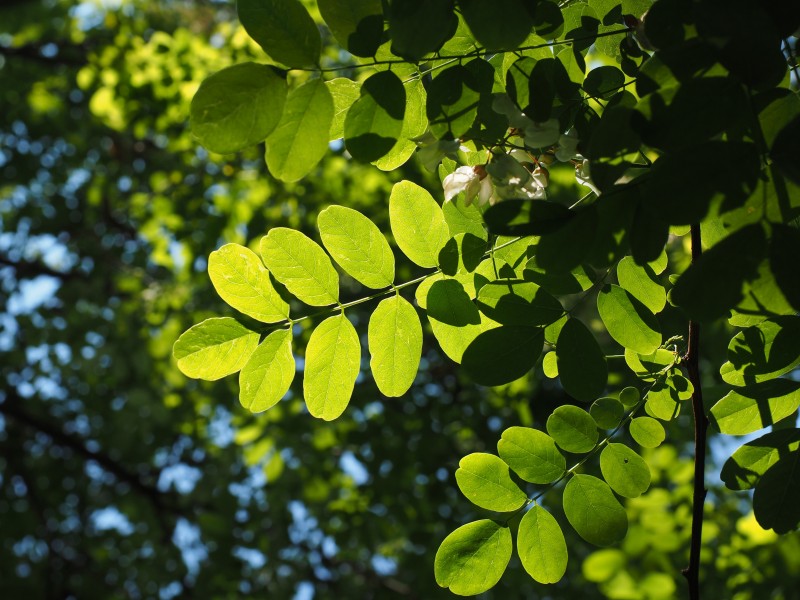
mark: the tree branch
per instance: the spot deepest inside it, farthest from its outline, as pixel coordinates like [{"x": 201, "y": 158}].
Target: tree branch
[{"x": 692, "y": 361}]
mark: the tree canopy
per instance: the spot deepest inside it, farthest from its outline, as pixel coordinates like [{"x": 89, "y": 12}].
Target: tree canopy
[{"x": 399, "y": 299}]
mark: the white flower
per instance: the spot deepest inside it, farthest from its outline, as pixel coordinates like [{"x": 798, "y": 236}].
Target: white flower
[
  {"x": 567, "y": 146},
  {"x": 512, "y": 180},
  {"x": 470, "y": 180},
  {"x": 432, "y": 151},
  {"x": 540, "y": 135},
  {"x": 584, "y": 176}
]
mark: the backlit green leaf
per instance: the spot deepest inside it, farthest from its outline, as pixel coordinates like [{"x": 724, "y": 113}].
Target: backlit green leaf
[
  {"x": 237, "y": 107},
  {"x": 374, "y": 122},
  {"x": 573, "y": 429},
  {"x": 503, "y": 354},
  {"x": 214, "y": 348},
  {"x": 419, "y": 28},
  {"x": 641, "y": 283},
  {"x": 624, "y": 470},
  {"x": 593, "y": 511},
  {"x": 744, "y": 469},
  {"x": 485, "y": 481},
  {"x": 333, "y": 358},
  {"x": 518, "y": 303},
  {"x": 344, "y": 92},
  {"x": 531, "y": 454},
  {"x": 454, "y": 319},
  {"x": 301, "y": 265},
  {"x": 266, "y": 377},
  {"x": 763, "y": 351},
  {"x": 748, "y": 409},
  {"x": 283, "y": 28},
  {"x": 775, "y": 498},
  {"x": 647, "y": 432},
  {"x": 607, "y": 412},
  {"x": 647, "y": 367},
  {"x": 415, "y": 123},
  {"x": 473, "y": 558},
  {"x": 541, "y": 546},
  {"x": 357, "y": 245},
  {"x": 417, "y": 223},
  {"x": 581, "y": 364},
  {"x": 628, "y": 321},
  {"x": 493, "y": 33},
  {"x": 242, "y": 281},
  {"x": 395, "y": 345},
  {"x": 357, "y": 26},
  {"x": 300, "y": 140}
]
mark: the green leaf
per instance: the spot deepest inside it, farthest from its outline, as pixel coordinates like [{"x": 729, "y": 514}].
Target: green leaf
[
  {"x": 603, "y": 81},
  {"x": 242, "y": 281},
  {"x": 531, "y": 454},
  {"x": 573, "y": 429},
  {"x": 357, "y": 245},
  {"x": 415, "y": 123},
  {"x": 565, "y": 249},
  {"x": 300, "y": 140},
  {"x": 783, "y": 247},
  {"x": 647, "y": 432},
  {"x": 452, "y": 102},
  {"x": 624, "y": 470},
  {"x": 214, "y": 348},
  {"x": 419, "y": 28},
  {"x": 762, "y": 352},
  {"x": 374, "y": 122},
  {"x": 593, "y": 511},
  {"x": 785, "y": 149},
  {"x": 775, "y": 497},
  {"x": 417, "y": 223},
  {"x": 454, "y": 319},
  {"x": 283, "y": 28},
  {"x": 550, "y": 363},
  {"x": 518, "y": 303},
  {"x": 301, "y": 265},
  {"x": 748, "y": 409},
  {"x": 713, "y": 285},
  {"x": 628, "y": 321},
  {"x": 648, "y": 367},
  {"x": 744, "y": 469},
  {"x": 395, "y": 345},
  {"x": 333, "y": 359},
  {"x": 485, "y": 481},
  {"x": 495, "y": 33},
  {"x": 541, "y": 546},
  {"x": 461, "y": 254},
  {"x": 266, "y": 377},
  {"x": 629, "y": 397},
  {"x": 237, "y": 107},
  {"x": 523, "y": 217},
  {"x": 473, "y": 558},
  {"x": 344, "y": 93},
  {"x": 662, "y": 402},
  {"x": 503, "y": 354},
  {"x": 607, "y": 412},
  {"x": 357, "y": 26},
  {"x": 581, "y": 363},
  {"x": 641, "y": 283}
]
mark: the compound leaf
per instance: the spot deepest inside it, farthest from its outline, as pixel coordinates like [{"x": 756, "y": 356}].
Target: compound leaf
[
  {"x": 395, "y": 345},
  {"x": 531, "y": 454},
  {"x": 266, "y": 377},
  {"x": 214, "y": 348},
  {"x": 593, "y": 511},
  {"x": 541, "y": 546},
  {"x": 485, "y": 481}
]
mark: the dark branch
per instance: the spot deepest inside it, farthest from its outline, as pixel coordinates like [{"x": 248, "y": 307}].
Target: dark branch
[
  {"x": 692, "y": 361},
  {"x": 34, "y": 53}
]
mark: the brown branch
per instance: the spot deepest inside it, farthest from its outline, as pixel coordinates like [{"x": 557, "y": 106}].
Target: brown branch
[{"x": 692, "y": 361}]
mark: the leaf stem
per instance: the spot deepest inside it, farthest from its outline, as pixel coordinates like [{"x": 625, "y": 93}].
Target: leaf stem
[{"x": 692, "y": 362}]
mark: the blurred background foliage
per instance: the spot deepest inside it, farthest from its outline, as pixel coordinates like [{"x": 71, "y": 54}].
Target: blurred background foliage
[{"x": 121, "y": 478}]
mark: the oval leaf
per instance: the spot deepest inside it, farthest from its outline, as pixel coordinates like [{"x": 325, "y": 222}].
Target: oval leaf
[
  {"x": 503, "y": 354},
  {"x": 485, "y": 481},
  {"x": 242, "y": 281},
  {"x": 532, "y": 454},
  {"x": 744, "y": 469},
  {"x": 357, "y": 26},
  {"x": 266, "y": 377},
  {"x": 573, "y": 429},
  {"x": 301, "y": 265},
  {"x": 518, "y": 303},
  {"x": 473, "y": 558},
  {"x": 237, "y": 107},
  {"x": 647, "y": 432},
  {"x": 283, "y": 28},
  {"x": 775, "y": 497},
  {"x": 455, "y": 320},
  {"x": 333, "y": 359},
  {"x": 214, "y": 348},
  {"x": 624, "y": 470},
  {"x": 628, "y": 321},
  {"x": 375, "y": 121},
  {"x": 581, "y": 364},
  {"x": 748, "y": 409},
  {"x": 541, "y": 546},
  {"x": 395, "y": 345},
  {"x": 301, "y": 138},
  {"x": 607, "y": 412},
  {"x": 763, "y": 351},
  {"x": 357, "y": 245},
  {"x": 640, "y": 281},
  {"x": 593, "y": 511},
  {"x": 417, "y": 223}
]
